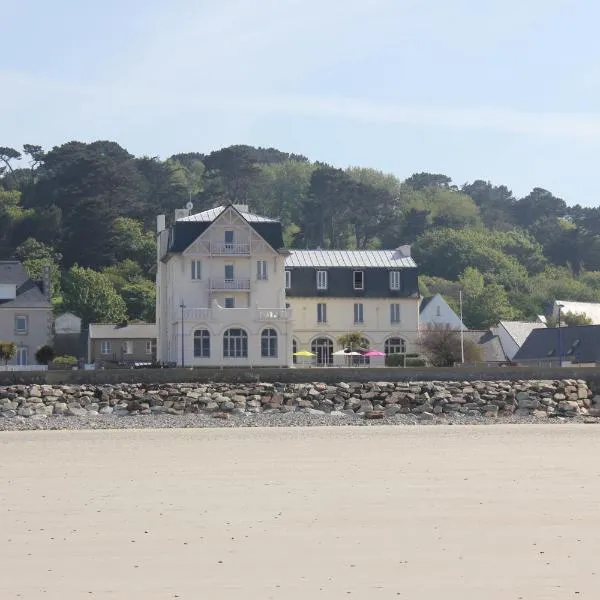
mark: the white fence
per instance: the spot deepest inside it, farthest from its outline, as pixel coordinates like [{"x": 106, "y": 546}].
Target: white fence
[{"x": 4, "y": 368}]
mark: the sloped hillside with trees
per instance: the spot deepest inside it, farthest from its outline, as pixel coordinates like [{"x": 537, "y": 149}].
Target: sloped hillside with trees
[{"x": 89, "y": 210}]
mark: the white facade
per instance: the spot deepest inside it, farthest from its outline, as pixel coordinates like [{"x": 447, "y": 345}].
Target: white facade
[
  {"x": 513, "y": 334},
  {"x": 436, "y": 311},
  {"x": 376, "y": 326},
  {"x": 221, "y": 302},
  {"x": 67, "y": 323},
  {"x": 589, "y": 309}
]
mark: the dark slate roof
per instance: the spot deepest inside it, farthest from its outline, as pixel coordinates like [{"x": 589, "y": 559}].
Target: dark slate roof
[
  {"x": 390, "y": 259},
  {"x": 579, "y": 344},
  {"x": 29, "y": 294},
  {"x": 185, "y": 231}
]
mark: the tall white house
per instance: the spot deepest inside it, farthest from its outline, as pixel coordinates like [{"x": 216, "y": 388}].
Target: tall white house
[
  {"x": 220, "y": 290},
  {"x": 228, "y": 294}
]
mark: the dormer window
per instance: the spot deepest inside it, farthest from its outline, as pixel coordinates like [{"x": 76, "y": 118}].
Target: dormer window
[
  {"x": 394, "y": 280},
  {"x": 321, "y": 280},
  {"x": 358, "y": 280}
]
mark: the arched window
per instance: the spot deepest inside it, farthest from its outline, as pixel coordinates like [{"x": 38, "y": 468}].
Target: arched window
[
  {"x": 235, "y": 344},
  {"x": 201, "y": 343},
  {"x": 323, "y": 348},
  {"x": 395, "y": 345},
  {"x": 268, "y": 343},
  {"x": 294, "y": 350}
]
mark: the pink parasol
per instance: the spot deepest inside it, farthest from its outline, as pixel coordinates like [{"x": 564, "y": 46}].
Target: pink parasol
[{"x": 373, "y": 353}]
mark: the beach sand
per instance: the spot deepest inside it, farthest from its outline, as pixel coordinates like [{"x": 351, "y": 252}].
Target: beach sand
[{"x": 488, "y": 512}]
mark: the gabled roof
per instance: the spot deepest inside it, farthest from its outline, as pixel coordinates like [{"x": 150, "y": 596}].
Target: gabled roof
[
  {"x": 579, "y": 344},
  {"x": 520, "y": 330},
  {"x": 591, "y": 309},
  {"x": 208, "y": 216},
  {"x": 390, "y": 259},
  {"x": 108, "y": 331},
  {"x": 29, "y": 294},
  {"x": 489, "y": 343},
  {"x": 185, "y": 231},
  {"x": 424, "y": 302}
]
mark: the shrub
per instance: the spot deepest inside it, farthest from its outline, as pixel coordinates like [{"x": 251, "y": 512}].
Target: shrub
[
  {"x": 44, "y": 355},
  {"x": 7, "y": 351},
  {"x": 394, "y": 360},
  {"x": 64, "y": 361},
  {"x": 416, "y": 362}
]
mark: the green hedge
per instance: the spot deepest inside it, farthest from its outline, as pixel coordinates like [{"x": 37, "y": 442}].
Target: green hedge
[{"x": 399, "y": 360}]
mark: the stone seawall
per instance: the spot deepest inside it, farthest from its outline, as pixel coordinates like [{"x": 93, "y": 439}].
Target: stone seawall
[{"x": 371, "y": 400}]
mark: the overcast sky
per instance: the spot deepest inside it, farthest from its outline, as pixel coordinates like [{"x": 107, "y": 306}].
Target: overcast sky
[{"x": 503, "y": 90}]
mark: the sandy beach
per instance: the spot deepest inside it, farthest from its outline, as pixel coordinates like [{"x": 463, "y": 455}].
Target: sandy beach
[{"x": 498, "y": 512}]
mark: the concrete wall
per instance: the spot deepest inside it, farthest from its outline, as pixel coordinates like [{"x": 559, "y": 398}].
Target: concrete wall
[{"x": 326, "y": 375}]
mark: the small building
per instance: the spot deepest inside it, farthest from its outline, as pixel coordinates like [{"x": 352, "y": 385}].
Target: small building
[
  {"x": 492, "y": 352},
  {"x": 589, "y": 309},
  {"x": 568, "y": 345},
  {"x": 25, "y": 312},
  {"x": 69, "y": 337},
  {"x": 121, "y": 343},
  {"x": 513, "y": 334},
  {"x": 434, "y": 310},
  {"x": 67, "y": 323}
]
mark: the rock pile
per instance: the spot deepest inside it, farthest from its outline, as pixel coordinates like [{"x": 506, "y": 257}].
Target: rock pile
[{"x": 373, "y": 400}]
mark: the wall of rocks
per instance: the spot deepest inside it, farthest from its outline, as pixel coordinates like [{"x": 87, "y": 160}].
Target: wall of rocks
[{"x": 372, "y": 400}]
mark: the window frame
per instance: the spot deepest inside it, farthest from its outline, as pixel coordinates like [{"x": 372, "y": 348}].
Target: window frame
[
  {"x": 322, "y": 280},
  {"x": 321, "y": 312},
  {"x": 387, "y": 345},
  {"x": 25, "y": 330},
  {"x": 395, "y": 280},
  {"x": 269, "y": 343},
  {"x": 126, "y": 346},
  {"x": 362, "y": 280},
  {"x": 105, "y": 347},
  {"x": 229, "y": 299},
  {"x": 196, "y": 271},
  {"x": 288, "y": 279},
  {"x": 395, "y": 313},
  {"x": 201, "y": 343},
  {"x": 262, "y": 270},
  {"x": 359, "y": 314},
  {"x": 149, "y": 349},
  {"x": 235, "y": 346},
  {"x": 19, "y": 356}
]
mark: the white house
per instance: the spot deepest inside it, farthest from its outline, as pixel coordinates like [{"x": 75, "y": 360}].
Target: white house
[
  {"x": 220, "y": 289},
  {"x": 67, "y": 324},
  {"x": 513, "y": 334},
  {"x": 434, "y": 310},
  {"x": 334, "y": 292}
]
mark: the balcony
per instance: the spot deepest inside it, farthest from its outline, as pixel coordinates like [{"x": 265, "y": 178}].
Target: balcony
[
  {"x": 225, "y": 249},
  {"x": 229, "y": 285},
  {"x": 273, "y": 314},
  {"x": 229, "y": 315}
]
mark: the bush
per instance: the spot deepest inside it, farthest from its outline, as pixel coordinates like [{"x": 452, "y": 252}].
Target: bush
[
  {"x": 64, "y": 361},
  {"x": 44, "y": 355},
  {"x": 8, "y": 350},
  {"x": 394, "y": 360},
  {"x": 416, "y": 362}
]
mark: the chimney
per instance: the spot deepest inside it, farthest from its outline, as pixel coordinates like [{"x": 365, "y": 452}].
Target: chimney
[
  {"x": 46, "y": 282},
  {"x": 404, "y": 251},
  {"x": 161, "y": 223}
]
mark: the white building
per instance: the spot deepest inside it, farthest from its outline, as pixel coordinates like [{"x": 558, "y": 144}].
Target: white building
[
  {"x": 589, "y": 309},
  {"x": 220, "y": 289},
  {"x": 229, "y": 295},
  {"x": 435, "y": 310},
  {"x": 334, "y": 292}
]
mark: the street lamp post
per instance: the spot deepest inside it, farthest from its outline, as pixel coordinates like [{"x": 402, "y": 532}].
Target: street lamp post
[
  {"x": 182, "y": 306},
  {"x": 559, "y": 306}
]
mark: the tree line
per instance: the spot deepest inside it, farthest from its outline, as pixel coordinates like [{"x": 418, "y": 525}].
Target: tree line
[{"x": 88, "y": 210}]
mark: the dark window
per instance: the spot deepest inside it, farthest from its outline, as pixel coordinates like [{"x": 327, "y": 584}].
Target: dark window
[
  {"x": 288, "y": 280},
  {"x": 358, "y": 313},
  {"x": 321, "y": 280},
  {"x": 395, "y": 346},
  {"x": 201, "y": 343},
  {"x": 268, "y": 343},
  {"x": 359, "y": 280},
  {"x": 230, "y": 302},
  {"x": 235, "y": 344},
  {"x": 321, "y": 312},
  {"x": 323, "y": 349}
]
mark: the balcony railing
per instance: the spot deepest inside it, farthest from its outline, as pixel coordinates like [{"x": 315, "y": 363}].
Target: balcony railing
[
  {"x": 273, "y": 314},
  {"x": 225, "y": 249},
  {"x": 229, "y": 284},
  {"x": 224, "y": 315}
]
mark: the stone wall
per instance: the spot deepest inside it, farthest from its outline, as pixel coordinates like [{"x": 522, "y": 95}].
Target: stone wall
[
  {"x": 566, "y": 398},
  {"x": 330, "y": 376}
]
